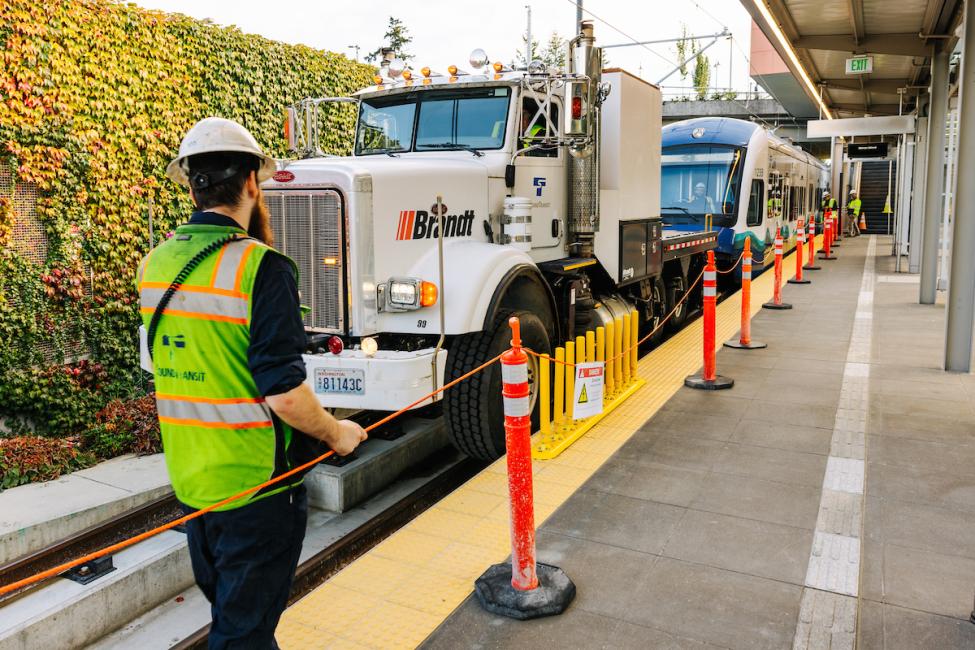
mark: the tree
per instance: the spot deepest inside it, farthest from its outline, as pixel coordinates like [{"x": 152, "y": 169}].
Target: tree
[
  {"x": 702, "y": 76},
  {"x": 552, "y": 55},
  {"x": 398, "y": 37}
]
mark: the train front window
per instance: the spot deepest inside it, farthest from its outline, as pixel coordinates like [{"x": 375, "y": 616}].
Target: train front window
[{"x": 700, "y": 180}]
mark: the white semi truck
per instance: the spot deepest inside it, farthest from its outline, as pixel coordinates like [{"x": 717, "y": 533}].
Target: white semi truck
[{"x": 547, "y": 183}]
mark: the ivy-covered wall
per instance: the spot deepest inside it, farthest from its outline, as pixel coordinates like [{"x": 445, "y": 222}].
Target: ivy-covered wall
[{"x": 94, "y": 99}]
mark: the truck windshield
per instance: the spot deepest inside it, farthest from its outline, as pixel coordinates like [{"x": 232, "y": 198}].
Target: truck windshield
[
  {"x": 697, "y": 180},
  {"x": 472, "y": 118}
]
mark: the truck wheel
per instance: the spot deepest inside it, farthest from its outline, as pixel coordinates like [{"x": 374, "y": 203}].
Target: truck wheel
[
  {"x": 676, "y": 287},
  {"x": 473, "y": 408},
  {"x": 661, "y": 307}
]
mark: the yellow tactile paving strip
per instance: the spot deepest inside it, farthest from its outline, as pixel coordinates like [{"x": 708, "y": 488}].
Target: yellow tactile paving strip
[{"x": 399, "y": 592}]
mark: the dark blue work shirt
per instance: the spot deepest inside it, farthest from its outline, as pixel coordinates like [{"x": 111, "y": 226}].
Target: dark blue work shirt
[{"x": 277, "y": 333}]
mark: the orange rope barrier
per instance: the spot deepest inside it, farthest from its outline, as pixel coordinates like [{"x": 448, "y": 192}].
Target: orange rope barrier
[
  {"x": 118, "y": 546},
  {"x": 646, "y": 338}
]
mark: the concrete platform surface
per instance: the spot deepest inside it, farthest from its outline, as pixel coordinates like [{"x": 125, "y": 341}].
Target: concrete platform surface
[
  {"x": 38, "y": 514},
  {"x": 826, "y": 501}
]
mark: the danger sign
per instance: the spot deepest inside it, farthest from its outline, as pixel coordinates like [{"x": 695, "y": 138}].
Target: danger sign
[{"x": 589, "y": 381}]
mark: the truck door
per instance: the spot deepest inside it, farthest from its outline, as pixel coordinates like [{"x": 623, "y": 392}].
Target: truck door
[{"x": 540, "y": 175}]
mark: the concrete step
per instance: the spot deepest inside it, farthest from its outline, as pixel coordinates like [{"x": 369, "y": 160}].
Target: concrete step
[
  {"x": 65, "y": 614},
  {"x": 36, "y": 515}
]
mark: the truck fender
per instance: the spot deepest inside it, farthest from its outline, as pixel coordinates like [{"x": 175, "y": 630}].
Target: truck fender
[
  {"x": 473, "y": 273},
  {"x": 524, "y": 288}
]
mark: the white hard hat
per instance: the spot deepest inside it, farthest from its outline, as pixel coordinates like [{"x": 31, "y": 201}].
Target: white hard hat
[
  {"x": 216, "y": 134},
  {"x": 853, "y": 191}
]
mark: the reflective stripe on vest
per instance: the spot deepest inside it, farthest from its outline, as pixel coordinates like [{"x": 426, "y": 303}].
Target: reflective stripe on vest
[
  {"x": 231, "y": 261},
  {"x": 228, "y": 413},
  {"x": 201, "y": 304}
]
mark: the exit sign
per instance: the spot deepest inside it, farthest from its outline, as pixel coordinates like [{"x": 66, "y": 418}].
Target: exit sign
[{"x": 859, "y": 65}]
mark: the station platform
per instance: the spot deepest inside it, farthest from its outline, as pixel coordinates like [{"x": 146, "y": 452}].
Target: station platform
[{"x": 826, "y": 501}]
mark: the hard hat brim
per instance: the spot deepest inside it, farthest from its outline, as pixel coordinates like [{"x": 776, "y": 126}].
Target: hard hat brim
[{"x": 176, "y": 172}]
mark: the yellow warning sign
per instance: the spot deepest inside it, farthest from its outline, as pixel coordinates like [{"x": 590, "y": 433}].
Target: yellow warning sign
[{"x": 588, "y": 397}]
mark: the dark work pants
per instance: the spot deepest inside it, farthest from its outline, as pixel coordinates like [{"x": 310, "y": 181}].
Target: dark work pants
[{"x": 244, "y": 561}]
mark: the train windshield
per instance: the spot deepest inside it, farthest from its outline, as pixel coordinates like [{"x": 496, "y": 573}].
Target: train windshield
[{"x": 699, "y": 180}]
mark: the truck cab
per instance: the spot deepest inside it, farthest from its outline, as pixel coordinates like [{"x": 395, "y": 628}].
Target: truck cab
[{"x": 469, "y": 197}]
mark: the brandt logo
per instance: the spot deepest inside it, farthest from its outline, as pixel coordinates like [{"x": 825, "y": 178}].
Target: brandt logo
[{"x": 420, "y": 224}]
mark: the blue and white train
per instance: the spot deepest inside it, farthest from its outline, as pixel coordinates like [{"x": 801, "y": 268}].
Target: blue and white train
[{"x": 737, "y": 178}]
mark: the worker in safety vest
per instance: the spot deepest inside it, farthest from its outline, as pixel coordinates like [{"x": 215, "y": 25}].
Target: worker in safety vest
[
  {"x": 853, "y": 208},
  {"x": 229, "y": 379},
  {"x": 827, "y": 206}
]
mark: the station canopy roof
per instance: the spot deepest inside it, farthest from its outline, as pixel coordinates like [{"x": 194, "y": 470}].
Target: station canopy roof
[{"x": 899, "y": 35}]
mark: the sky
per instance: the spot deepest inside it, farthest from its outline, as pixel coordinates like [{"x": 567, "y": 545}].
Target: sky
[{"x": 445, "y": 31}]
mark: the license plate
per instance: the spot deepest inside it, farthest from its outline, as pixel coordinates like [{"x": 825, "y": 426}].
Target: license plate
[{"x": 341, "y": 381}]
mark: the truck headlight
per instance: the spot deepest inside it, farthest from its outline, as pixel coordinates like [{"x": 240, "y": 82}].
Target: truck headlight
[{"x": 403, "y": 294}]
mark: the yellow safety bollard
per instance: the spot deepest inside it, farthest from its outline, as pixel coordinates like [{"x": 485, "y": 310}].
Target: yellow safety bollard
[
  {"x": 617, "y": 348},
  {"x": 634, "y": 341},
  {"x": 626, "y": 350},
  {"x": 601, "y": 344},
  {"x": 591, "y": 346},
  {"x": 544, "y": 417},
  {"x": 581, "y": 350},
  {"x": 610, "y": 353},
  {"x": 570, "y": 380},
  {"x": 559, "y": 386}
]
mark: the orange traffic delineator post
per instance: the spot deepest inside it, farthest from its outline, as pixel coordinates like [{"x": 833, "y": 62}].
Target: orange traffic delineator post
[
  {"x": 800, "y": 246},
  {"x": 776, "y": 302},
  {"x": 837, "y": 235},
  {"x": 709, "y": 379},
  {"x": 826, "y": 253},
  {"x": 744, "y": 340},
  {"x": 523, "y": 588},
  {"x": 811, "y": 239}
]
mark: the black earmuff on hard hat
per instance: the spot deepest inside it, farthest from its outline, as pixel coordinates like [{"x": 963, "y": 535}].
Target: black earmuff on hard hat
[{"x": 207, "y": 170}]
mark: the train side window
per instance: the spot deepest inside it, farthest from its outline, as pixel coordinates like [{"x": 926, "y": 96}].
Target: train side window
[{"x": 756, "y": 201}]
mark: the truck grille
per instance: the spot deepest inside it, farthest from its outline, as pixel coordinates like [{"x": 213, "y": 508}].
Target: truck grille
[{"x": 307, "y": 226}]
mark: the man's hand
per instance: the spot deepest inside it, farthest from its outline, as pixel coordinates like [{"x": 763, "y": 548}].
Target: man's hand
[
  {"x": 348, "y": 435},
  {"x": 300, "y": 408}
]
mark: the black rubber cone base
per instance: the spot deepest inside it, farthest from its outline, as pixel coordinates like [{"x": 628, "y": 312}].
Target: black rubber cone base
[
  {"x": 700, "y": 383},
  {"x": 779, "y": 307},
  {"x": 737, "y": 344},
  {"x": 823, "y": 256},
  {"x": 552, "y": 596},
  {"x": 811, "y": 267},
  {"x": 803, "y": 281}
]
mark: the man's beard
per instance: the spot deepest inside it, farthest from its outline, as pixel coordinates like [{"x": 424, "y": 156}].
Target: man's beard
[{"x": 260, "y": 224}]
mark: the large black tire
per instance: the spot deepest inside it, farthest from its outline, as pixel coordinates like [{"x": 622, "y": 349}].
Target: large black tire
[
  {"x": 676, "y": 287},
  {"x": 661, "y": 308},
  {"x": 473, "y": 408}
]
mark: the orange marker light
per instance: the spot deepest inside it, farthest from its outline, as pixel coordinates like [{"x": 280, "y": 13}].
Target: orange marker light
[
  {"x": 425, "y": 71},
  {"x": 378, "y": 80},
  {"x": 498, "y": 66},
  {"x": 407, "y": 74},
  {"x": 330, "y": 261},
  {"x": 452, "y": 69},
  {"x": 428, "y": 294}
]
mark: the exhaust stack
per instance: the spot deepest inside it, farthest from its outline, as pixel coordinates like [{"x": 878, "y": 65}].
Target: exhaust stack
[{"x": 582, "y": 97}]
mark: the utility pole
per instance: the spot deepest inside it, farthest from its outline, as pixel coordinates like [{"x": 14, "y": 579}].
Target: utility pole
[
  {"x": 356, "y": 48},
  {"x": 528, "y": 44},
  {"x": 731, "y": 59}
]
